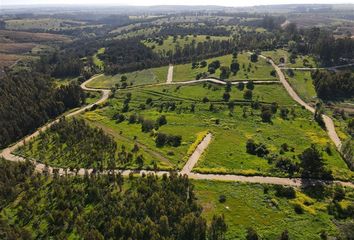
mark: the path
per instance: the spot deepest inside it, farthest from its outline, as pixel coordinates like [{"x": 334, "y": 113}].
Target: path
[
  {"x": 320, "y": 68},
  {"x": 193, "y": 159},
  {"x": 7, "y": 153},
  {"x": 170, "y": 74},
  {"x": 327, "y": 120}
]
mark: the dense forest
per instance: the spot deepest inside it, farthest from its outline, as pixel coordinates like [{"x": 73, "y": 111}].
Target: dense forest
[
  {"x": 108, "y": 207},
  {"x": 28, "y": 100},
  {"x": 333, "y": 85}
]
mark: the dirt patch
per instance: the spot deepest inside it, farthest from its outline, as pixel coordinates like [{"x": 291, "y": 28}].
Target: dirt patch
[{"x": 16, "y": 48}]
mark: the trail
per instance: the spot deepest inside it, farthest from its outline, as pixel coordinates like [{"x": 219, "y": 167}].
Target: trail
[
  {"x": 40, "y": 167},
  {"x": 170, "y": 74},
  {"x": 327, "y": 120}
]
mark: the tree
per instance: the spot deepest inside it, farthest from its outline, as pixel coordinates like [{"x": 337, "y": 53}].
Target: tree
[
  {"x": 123, "y": 78},
  {"x": 241, "y": 86},
  {"x": 250, "y": 85},
  {"x": 217, "y": 228},
  {"x": 254, "y": 57},
  {"x": 228, "y": 86},
  {"x": 284, "y": 112},
  {"x": 247, "y": 94},
  {"x": 251, "y": 234},
  {"x": 224, "y": 72},
  {"x": 234, "y": 67},
  {"x": 312, "y": 162},
  {"x": 226, "y": 96},
  {"x": 147, "y": 125},
  {"x": 266, "y": 115},
  {"x": 160, "y": 121},
  {"x": 161, "y": 139}
]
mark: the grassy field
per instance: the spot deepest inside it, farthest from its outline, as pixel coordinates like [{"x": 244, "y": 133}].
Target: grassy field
[
  {"x": 248, "y": 70},
  {"x": 299, "y": 61},
  {"x": 170, "y": 44},
  {"x": 98, "y": 62},
  {"x": 227, "y": 152},
  {"x": 247, "y": 205},
  {"x": 143, "y": 77},
  {"x": 303, "y": 85}
]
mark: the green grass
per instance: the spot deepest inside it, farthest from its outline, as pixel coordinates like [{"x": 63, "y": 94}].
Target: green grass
[
  {"x": 303, "y": 85},
  {"x": 248, "y": 206},
  {"x": 227, "y": 152},
  {"x": 257, "y": 71},
  {"x": 170, "y": 44},
  {"x": 299, "y": 61},
  {"x": 143, "y": 77},
  {"x": 98, "y": 62}
]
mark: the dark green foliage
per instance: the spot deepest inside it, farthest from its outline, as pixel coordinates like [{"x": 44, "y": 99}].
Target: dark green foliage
[
  {"x": 93, "y": 207},
  {"x": 251, "y": 234},
  {"x": 312, "y": 163},
  {"x": 283, "y": 191},
  {"x": 333, "y": 85},
  {"x": 266, "y": 114},
  {"x": 254, "y": 57},
  {"x": 147, "y": 125},
  {"x": 250, "y": 85},
  {"x": 256, "y": 149},
  {"x": 163, "y": 139},
  {"x": 73, "y": 143},
  {"x": 217, "y": 228},
  {"x": 226, "y": 96},
  {"x": 28, "y": 100}
]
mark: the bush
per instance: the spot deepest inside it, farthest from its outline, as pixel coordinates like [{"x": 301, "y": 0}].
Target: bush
[
  {"x": 298, "y": 208},
  {"x": 222, "y": 198},
  {"x": 282, "y": 191}
]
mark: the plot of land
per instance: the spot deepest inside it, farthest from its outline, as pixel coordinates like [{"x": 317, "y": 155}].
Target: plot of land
[
  {"x": 170, "y": 43},
  {"x": 248, "y": 205},
  {"x": 248, "y": 71},
  {"x": 149, "y": 76}
]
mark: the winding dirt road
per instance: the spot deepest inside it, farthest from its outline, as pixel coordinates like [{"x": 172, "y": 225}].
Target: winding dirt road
[
  {"x": 7, "y": 153},
  {"x": 327, "y": 120}
]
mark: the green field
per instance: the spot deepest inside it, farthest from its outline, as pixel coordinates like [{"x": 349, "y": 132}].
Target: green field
[
  {"x": 169, "y": 43},
  {"x": 248, "y": 70},
  {"x": 248, "y": 206},
  {"x": 299, "y": 61},
  {"x": 143, "y": 77},
  {"x": 98, "y": 62},
  {"x": 303, "y": 85}
]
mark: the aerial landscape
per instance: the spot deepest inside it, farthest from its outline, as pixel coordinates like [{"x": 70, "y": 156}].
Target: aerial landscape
[{"x": 181, "y": 121}]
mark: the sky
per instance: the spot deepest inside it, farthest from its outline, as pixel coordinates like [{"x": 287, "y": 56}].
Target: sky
[{"x": 235, "y": 3}]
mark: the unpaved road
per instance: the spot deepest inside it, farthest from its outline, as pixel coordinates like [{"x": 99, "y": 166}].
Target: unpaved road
[
  {"x": 193, "y": 159},
  {"x": 327, "y": 120},
  {"x": 170, "y": 74},
  {"x": 7, "y": 153},
  {"x": 320, "y": 68}
]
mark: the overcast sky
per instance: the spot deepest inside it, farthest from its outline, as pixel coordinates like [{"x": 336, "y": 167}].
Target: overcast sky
[{"x": 170, "y": 2}]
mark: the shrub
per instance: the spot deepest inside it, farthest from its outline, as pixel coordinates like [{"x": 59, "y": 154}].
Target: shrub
[
  {"x": 282, "y": 191},
  {"x": 222, "y": 198}
]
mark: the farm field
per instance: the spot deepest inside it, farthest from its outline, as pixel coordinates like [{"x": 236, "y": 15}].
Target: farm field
[
  {"x": 143, "y": 77},
  {"x": 248, "y": 71},
  {"x": 259, "y": 207}
]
